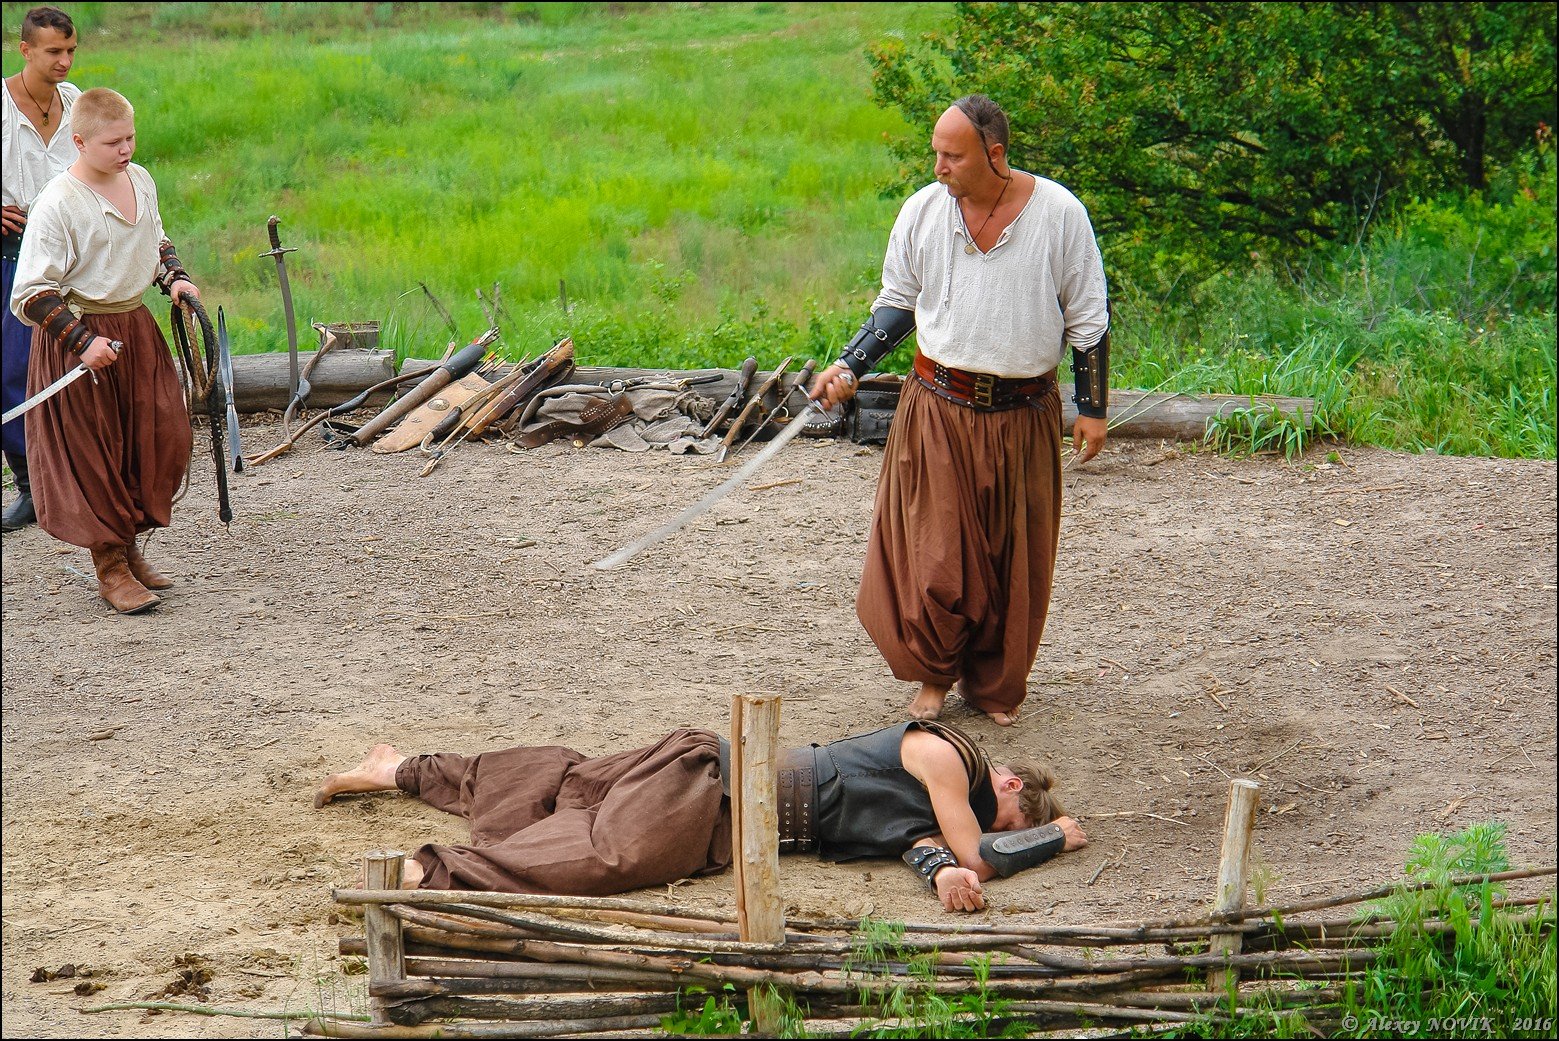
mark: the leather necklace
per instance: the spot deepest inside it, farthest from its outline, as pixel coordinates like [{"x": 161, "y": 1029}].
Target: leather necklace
[
  {"x": 46, "y": 111},
  {"x": 971, "y": 247}
]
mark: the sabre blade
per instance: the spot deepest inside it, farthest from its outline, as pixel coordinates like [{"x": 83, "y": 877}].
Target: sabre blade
[
  {"x": 225, "y": 368},
  {"x": 46, "y": 393},
  {"x": 701, "y": 507}
]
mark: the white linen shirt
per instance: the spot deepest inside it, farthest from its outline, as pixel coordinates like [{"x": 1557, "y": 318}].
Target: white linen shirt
[
  {"x": 79, "y": 245},
  {"x": 1007, "y": 312},
  {"x": 28, "y": 164}
]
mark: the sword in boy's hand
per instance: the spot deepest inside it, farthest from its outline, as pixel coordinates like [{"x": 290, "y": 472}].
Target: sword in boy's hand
[
  {"x": 701, "y": 507},
  {"x": 47, "y": 392}
]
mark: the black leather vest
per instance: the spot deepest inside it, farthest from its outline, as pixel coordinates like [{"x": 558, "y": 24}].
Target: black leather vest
[{"x": 870, "y": 806}]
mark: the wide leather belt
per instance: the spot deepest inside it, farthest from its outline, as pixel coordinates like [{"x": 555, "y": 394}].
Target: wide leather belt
[
  {"x": 797, "y": 790},
  {"x": 798, "y": 801},
  {"x": 980, "y": 390}
]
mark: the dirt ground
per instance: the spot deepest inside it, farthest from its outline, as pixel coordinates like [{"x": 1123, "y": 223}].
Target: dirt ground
[{"x": 1373, "y": 639}]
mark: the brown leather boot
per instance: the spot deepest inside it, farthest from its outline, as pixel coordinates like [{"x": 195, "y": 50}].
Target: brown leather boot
[
  {"x": 115, "y": 583},
  {"x": 144, "y": 573}
]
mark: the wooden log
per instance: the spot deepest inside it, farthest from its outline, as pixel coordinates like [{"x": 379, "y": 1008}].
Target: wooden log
[
  {"x": 1362, "y": 896},
  {"x": 427, "y": 960},
  {"x": 500, "y": 985},
  {"x": 1199, "y": 999},
  {"x": 382, "y": 930},
  {"x": 435, "y": 897},
  {"x": 260, "y": 380},
  {"x": 1133, "y": 413},
  {"x": 760, "y": 914},
  {"x": 551, "y": 1009},
  {"x": 337, "y": 1028},
  {"x": 1239, "y": 821}
]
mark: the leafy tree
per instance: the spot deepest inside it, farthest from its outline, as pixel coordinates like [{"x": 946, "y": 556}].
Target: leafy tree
[{"x": 1200, "y": 134}]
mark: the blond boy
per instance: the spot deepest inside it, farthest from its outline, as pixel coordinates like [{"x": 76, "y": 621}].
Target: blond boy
[{"x": 107, "y": 454}]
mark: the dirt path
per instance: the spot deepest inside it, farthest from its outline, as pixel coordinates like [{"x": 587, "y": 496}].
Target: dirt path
[{"x": 1374, "y": 640}]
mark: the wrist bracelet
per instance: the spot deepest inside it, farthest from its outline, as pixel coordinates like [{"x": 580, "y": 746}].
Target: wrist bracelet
[{"x": 926, "y": 861}]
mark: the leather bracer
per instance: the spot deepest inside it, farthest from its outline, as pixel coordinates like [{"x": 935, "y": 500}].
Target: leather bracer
[
  {"x": 1011, "y": 851},
  {"x": 49, "y": 312},
  {"x": 172, "y": 268},
  {"x": 1091, "y": 378},
  {"x": 884, "y": 330},
  {"x": 926, "y": 861}
]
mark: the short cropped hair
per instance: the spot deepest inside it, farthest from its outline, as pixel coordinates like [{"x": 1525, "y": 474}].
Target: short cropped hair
[
  {"x": 40, "y": 18},
  {"x": 1035, "y": 800},
  {"x": 97, "y": 108},
  {"x": 990, "y": 122}
]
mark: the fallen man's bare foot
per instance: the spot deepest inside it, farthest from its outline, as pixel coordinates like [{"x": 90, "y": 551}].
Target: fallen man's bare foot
[
  {"x": 411, "y": 875},
  {"x": 928, "y": 703},
  {"x": 1005, "y": 719},
  {"x": 374, "y": 774}
]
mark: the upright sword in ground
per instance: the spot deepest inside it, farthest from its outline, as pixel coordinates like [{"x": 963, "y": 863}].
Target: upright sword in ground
[
  {"x": 280, "y": 255},
  {"x": 46, "y": 393},
  {"x": 702, "y": 506}
]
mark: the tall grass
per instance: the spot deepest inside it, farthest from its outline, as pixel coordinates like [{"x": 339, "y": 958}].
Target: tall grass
[
  {"x": 703, "y": 181},
  {"x": 1434, "y": 333},
  {"x": 1493, "y": 975},
  {"x": 676, "y": 166}
]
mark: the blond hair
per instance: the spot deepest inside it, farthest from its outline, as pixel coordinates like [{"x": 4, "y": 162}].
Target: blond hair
[
  {"x": 1035, "y": 800},
  {"x": 97, "y": 108}
]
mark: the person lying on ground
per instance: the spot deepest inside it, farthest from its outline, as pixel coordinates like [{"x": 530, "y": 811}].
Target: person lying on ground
[{"x": 550, "y": 820}]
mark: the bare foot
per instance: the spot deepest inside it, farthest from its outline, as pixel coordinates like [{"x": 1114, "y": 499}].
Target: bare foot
[
  {"x": 1004, "y": 719},
  {"x": 376, "y": 773},
  {"x": 928, "y": 703},
  {"x": 411, "y": 874}
]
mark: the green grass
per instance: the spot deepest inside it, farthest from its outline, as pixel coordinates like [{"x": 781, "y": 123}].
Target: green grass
[
  {"x": 706, "y": 180},
  {"x": 1492, "y": 976},
  {"x": 680, "y": 167},
  {"x": 1436, "y": 333}
]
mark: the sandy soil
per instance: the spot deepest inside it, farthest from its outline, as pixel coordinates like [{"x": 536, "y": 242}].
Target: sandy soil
[{"x": 1374, "y": 640}]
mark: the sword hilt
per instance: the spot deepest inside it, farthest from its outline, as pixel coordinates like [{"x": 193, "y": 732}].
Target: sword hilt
[{"x": 273, "y": 227}]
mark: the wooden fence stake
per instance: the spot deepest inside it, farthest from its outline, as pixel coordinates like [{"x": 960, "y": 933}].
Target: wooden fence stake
[
  {"x": 383, "y": 869},
  {"x": 1233, "y": 872},
  {"x": 760, "y": 915}
]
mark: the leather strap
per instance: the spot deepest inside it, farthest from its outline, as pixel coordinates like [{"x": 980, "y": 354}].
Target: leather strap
[
  {"x": 980, "y": 390},
  {"x": 594, "y": 418},
  {"x": 798, "y": 802}
]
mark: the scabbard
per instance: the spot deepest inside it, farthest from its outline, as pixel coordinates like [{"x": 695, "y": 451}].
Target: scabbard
[
  {"x": 400, "y": 407},
  {"x": 463, "y": 363}
]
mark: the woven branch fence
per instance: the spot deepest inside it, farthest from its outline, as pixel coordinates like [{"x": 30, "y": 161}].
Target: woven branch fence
[
  {"x": 503, "y": 965},
  {"x": 487, "y": 965}
]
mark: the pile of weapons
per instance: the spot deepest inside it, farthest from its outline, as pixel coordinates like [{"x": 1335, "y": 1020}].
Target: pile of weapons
[
  {"x": 473, "y": 393},
  {"x": 579, "y": 965},
  {"x": 460, "y": 399}
]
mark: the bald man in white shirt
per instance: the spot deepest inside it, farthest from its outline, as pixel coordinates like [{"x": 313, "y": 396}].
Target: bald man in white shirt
[{"x": 996, "y": 271}]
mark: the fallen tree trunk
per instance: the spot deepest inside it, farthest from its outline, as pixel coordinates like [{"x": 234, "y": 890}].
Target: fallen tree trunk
[
  {"x": 260, "y": 380},
  {"x": 1173, "y": 417}
]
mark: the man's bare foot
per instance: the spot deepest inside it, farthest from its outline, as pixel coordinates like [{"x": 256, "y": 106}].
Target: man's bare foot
[
  {"x": 376, "y": 773},
  {"x": 1004, "y": 719},
  {"x": 411, "y": 875},
  {"x": 928, "y": 703}
]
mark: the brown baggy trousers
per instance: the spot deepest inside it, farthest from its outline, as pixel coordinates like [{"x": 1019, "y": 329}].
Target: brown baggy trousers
[
  {"x": 963, "y": 544},
  {"x": 107, "y": 458},
  {"x": 549, "y": 820}
]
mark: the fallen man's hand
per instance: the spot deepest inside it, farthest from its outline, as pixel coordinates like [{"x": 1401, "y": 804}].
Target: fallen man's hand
[{"x": 959, "y": 889}]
